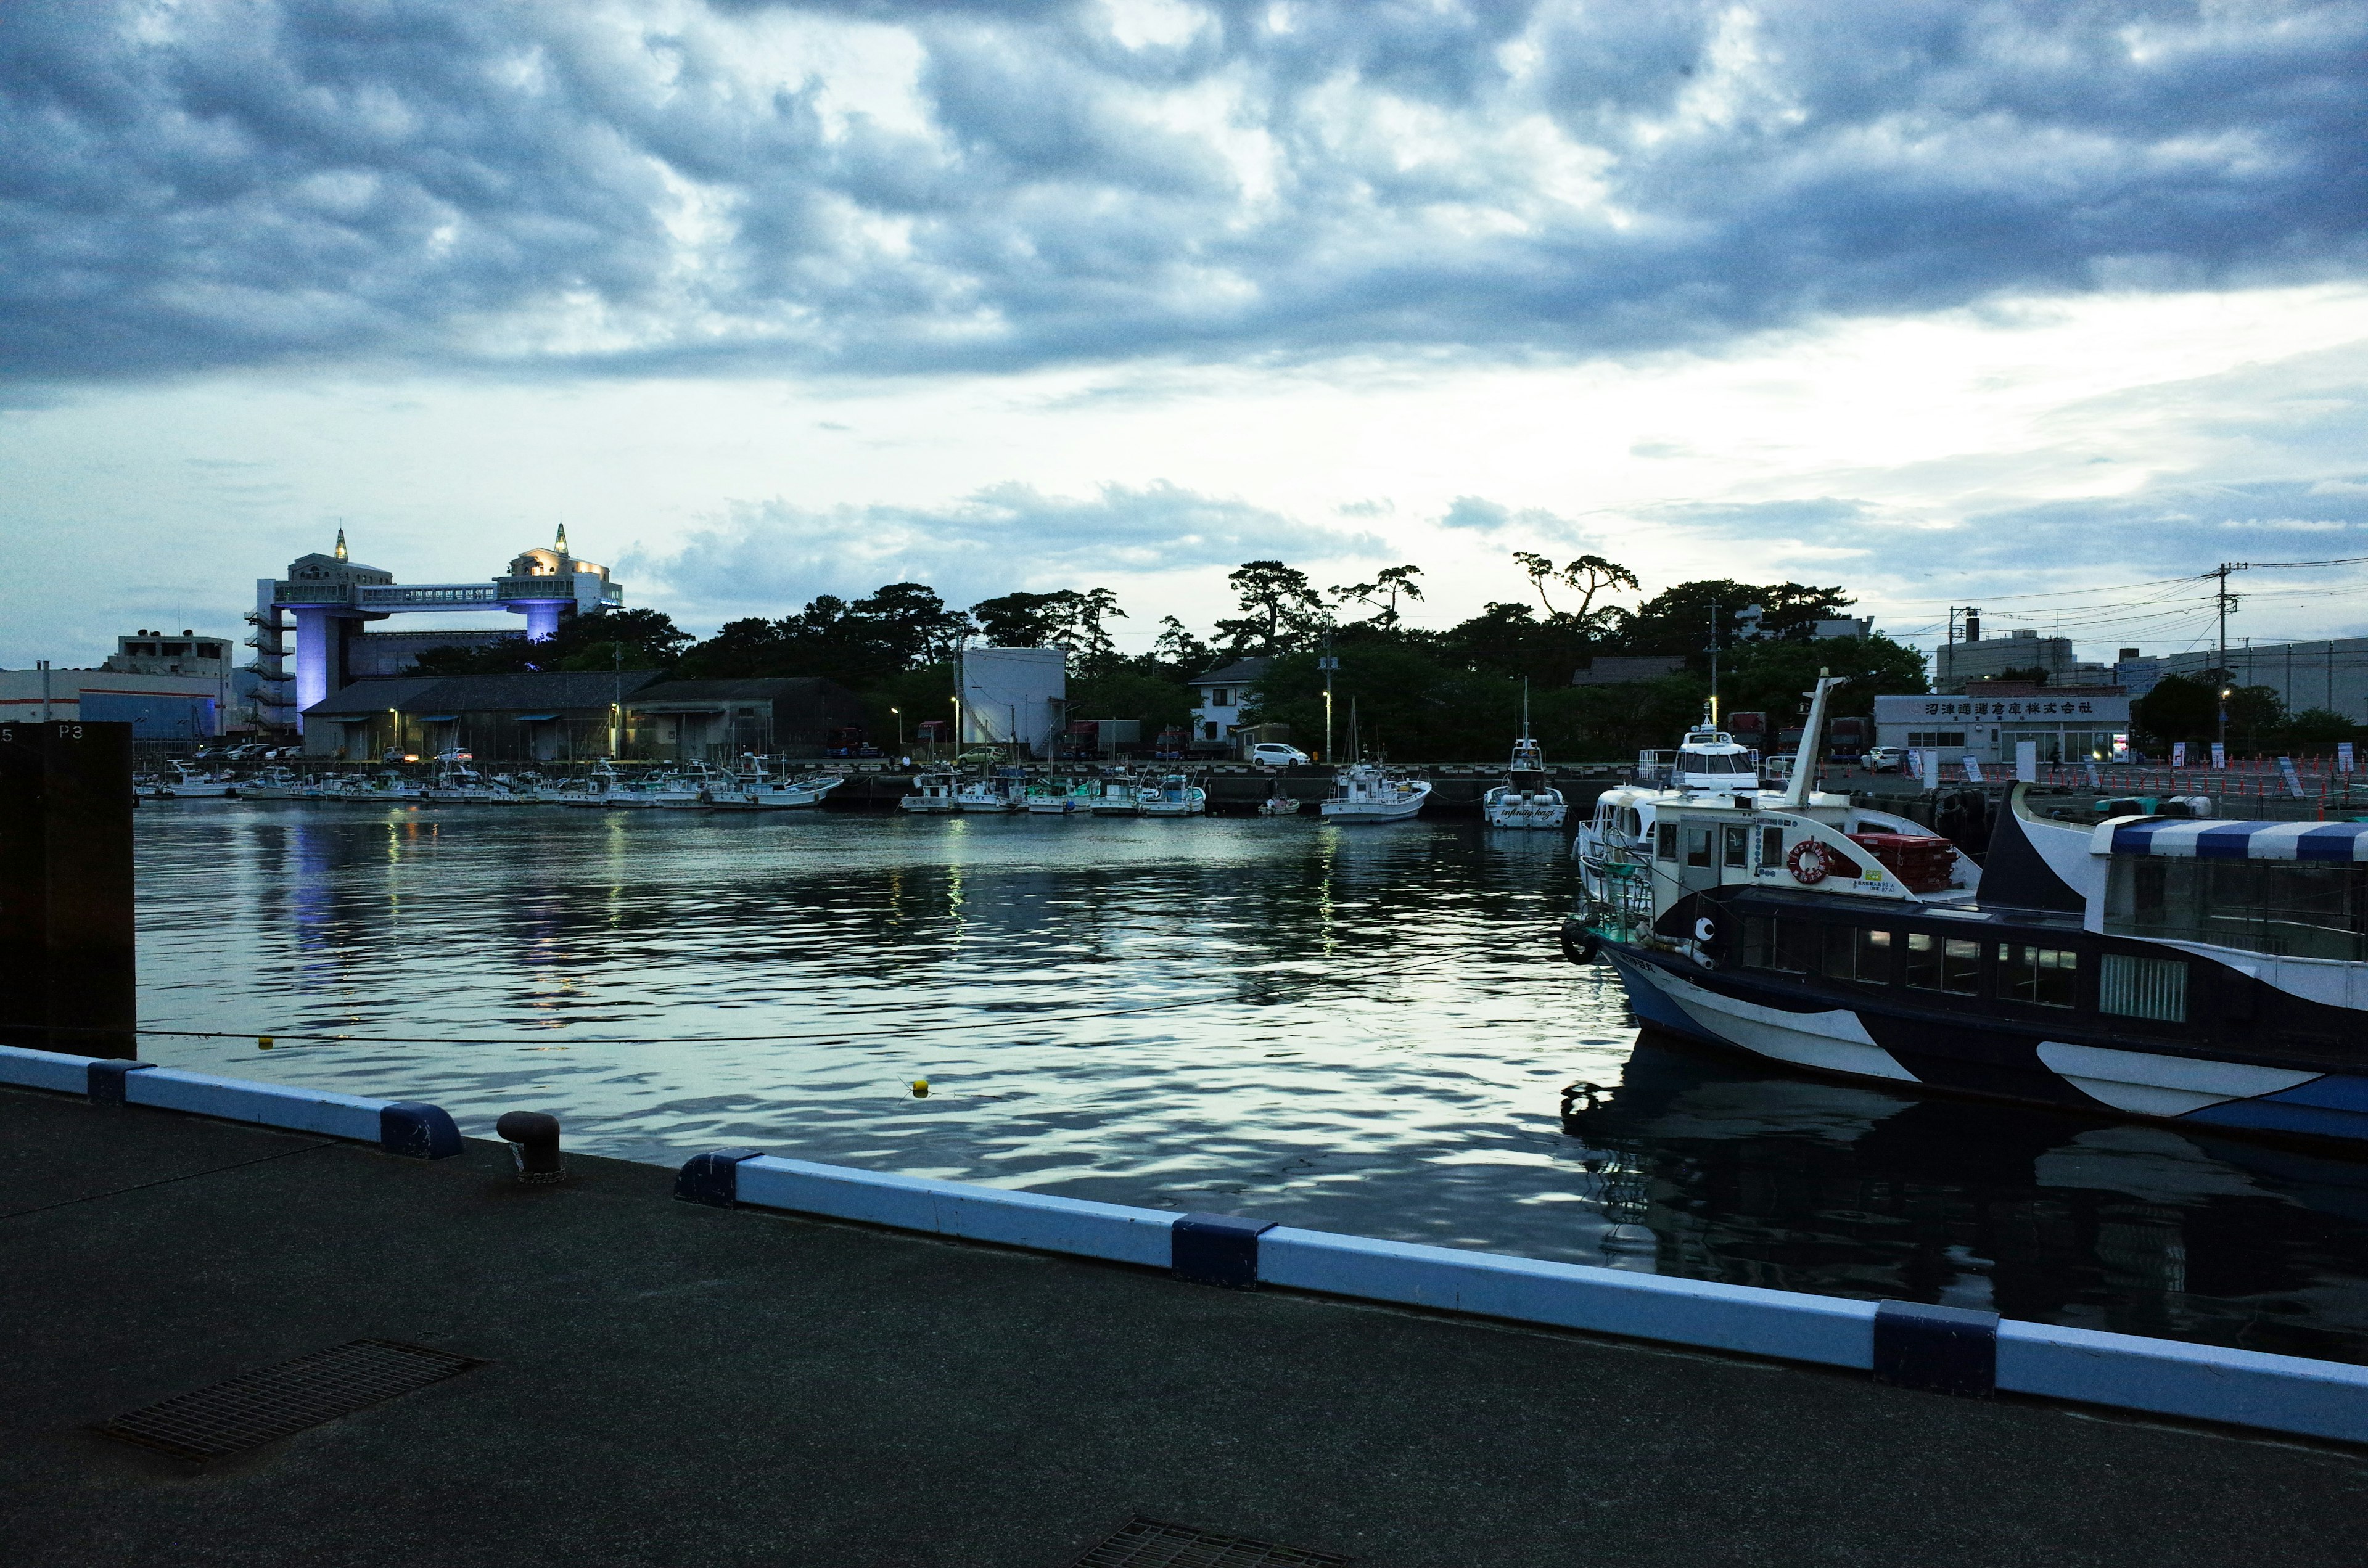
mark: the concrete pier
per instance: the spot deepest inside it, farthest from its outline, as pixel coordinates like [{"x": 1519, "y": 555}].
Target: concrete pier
[{"x": 668, "y": 1383}]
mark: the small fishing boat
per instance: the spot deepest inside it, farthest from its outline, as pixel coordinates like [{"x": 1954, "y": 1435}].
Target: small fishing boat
[
  {"x": 933, "y": 794},
  {"x": 457, "y": 782},
  {"x": 755, "y": 787},
  {"x": 998, "y": 791},
  {"x": 1524, "y": 798},
  {"x": 181, "y": 782},
  {"x": 1368, "y": 792},
  {"x": 604, "y": 787},
  {"x": 1278, "y": 804},
  {"x": 1055, "y": 795},
  {"x": 1175, "y": 795},
  {"x": 1119, "y": 796},
  {"x": 273, "y": 784}
]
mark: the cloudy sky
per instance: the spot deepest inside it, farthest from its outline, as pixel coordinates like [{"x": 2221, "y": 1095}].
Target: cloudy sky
[{"x": 2036, "y": 305}]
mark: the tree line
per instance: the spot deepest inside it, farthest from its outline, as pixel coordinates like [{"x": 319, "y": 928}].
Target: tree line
[{"x": 1419, "y": 693}]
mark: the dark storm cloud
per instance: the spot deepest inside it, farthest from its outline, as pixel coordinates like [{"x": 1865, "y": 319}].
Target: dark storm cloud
[{"x": 881, "y": 188}]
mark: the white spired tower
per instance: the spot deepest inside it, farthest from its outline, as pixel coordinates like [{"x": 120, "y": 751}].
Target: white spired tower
[{"x": 328, "y": 598}]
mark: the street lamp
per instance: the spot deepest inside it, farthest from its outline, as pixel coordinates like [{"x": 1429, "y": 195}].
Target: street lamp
[{"x": 900, "y": 730}]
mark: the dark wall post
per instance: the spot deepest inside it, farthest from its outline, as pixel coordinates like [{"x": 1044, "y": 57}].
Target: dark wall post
[{"x": 66, "y": 966}]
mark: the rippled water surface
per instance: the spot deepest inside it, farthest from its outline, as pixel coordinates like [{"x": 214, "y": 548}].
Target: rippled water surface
[{"x": 1362, "y": 1030}]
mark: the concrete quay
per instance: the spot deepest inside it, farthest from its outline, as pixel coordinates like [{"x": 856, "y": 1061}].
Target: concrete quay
[{"x": 668, "y": 1383}]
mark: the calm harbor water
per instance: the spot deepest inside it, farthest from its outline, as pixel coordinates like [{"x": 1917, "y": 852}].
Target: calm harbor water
[{"x": 1362, "y": 1030}]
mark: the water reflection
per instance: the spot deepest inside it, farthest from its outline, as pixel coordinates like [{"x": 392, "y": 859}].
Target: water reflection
[
  {"x": 1377, "y": 1034},
  {"x": 1805, "y": 1186}
]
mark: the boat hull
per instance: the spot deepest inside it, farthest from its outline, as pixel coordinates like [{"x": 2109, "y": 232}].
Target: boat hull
[{"x": 2222, "y": 1089}]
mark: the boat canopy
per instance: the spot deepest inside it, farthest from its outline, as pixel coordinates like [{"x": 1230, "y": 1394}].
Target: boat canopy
[{"x": 2178, "y": 839}]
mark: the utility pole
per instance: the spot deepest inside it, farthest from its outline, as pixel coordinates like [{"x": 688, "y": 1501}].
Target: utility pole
[
  {"x": 2224, "y": 599},
  {"x": 1328, "y": 665}
]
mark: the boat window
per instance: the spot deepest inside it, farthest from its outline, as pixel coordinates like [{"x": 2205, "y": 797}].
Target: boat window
[
  {"x": 1758, "y": 942},
  {"x": 1630, "y": 823},
  {"x": 2048, "y": 976},
  {"x": 2287, "y": 907},
  {"x": 1945, "y": 963},
  {"x": 1855, "y": 953},
  {"x": 1664, "y": 835},
  {"x": 1796, "y": 947},
  {"x": 1771, "y": 845},
  {"x": 2137, "y": 987},
  {"x": 1737, "y": 849},
  {"x": 1697, "y": 846}
]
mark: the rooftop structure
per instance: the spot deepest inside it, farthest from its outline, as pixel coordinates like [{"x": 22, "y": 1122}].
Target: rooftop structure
[
  {"x": 329, "y": 597},
  {"x": 2021, "y": 650}
]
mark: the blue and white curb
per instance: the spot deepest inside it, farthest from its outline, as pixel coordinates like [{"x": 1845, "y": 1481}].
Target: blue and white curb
[
  {"x": 398, "y": 1127},
  {"x": 1944, "y": 1349}
]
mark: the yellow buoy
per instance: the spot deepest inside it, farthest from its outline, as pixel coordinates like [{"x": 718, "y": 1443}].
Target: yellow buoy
[
  {"x": 920, "y": 1088},
  {"x": 263, "y": 1042}
]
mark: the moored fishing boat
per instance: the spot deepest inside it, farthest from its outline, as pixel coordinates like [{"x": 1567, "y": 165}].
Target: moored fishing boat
[
  {"x": 1119, "y": 796},
  {"x": 2212, "y": 974},
  {"x": 932, "y": 794},
  {"x": 1525, "y": 799},
  {"x": 1055, "y": 795},
  {"x": 1174, "y": 795},
  {"x": 1368, "y": 792},
  {"x": 998, "y": 791}
]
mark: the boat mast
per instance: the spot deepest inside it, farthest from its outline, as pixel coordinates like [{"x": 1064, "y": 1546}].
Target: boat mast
[{"x": 1802, "y": 785}]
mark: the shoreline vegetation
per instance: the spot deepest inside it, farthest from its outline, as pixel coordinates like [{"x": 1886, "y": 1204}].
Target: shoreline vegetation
[{"x": 1422, "y": 693}]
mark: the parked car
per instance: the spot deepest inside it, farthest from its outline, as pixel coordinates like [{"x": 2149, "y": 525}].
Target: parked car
[
  {"x": 1274, "y": 754},
  {"x": 1883, "y": 759}
]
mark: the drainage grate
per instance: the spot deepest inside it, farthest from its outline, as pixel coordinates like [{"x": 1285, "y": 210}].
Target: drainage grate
[
  {"x": 1149, "y": 1543},
  {"x": 259, "y": 1407}
]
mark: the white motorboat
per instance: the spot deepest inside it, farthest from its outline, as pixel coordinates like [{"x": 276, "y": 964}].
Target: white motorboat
[
  {"x": 1367, "y": 793},
  {"x": 605, "y": 786},
  {"x": 692, "y": 788},
  {"x": 1524, "y": 798},
  {"x": 998, "y": 791},
  {"x": 185, "y": 783},
  {"x": 1278, "y": 804},
  {"x": 1707, "y": 759},
  {"x": 456, "y": 781},
  {"x": 933, "y": 794},
  {"x": 756, "y": 789},
  {"x": 273, "y": 784},
  {"x": 1174, "y": 796}
]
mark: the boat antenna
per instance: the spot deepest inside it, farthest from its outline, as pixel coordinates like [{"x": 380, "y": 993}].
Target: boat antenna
[
  {"x": 1798, "y": 789},
  {"x": 1714, "y": 664},
  {"x": 1525, "y": 708}
]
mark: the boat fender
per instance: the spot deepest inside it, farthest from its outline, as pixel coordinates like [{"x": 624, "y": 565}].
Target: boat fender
[
  {"x": 1807, "y": 862},
  {"x": 1706, "y": 930},
  {"x": 1580, "y": 945}
]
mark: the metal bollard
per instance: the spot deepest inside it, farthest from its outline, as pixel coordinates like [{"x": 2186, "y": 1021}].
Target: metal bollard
[{"x": 533, "y": 1138}]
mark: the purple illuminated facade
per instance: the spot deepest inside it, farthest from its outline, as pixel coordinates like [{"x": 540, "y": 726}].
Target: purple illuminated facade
[{"x": 327, "y": 600}]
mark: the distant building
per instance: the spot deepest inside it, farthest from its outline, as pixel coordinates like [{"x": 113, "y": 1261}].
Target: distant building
[
  {"x": 559, "y": 716},
  {"x": 575, "y": 715},
  {"x": 2070, "y": 724},
  {"x": 1627, "y": 669},
  {"x": 1226, "y": 692},
  {"x": 1846, "y": 626},
  {"x": 325, "y": 601},
  {"x": 714, "y": 721},
  {"x": 1014, "y": 696},
  {"x": 2332, "y": 674},
  {"x": 166, "y": 686},
  {"x": 1955, "y": 664}
]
